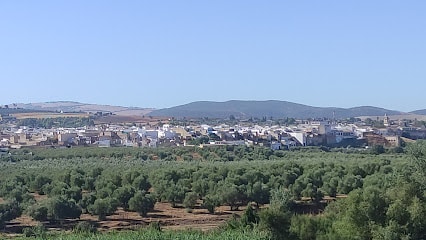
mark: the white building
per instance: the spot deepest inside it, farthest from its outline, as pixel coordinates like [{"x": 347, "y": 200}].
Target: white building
[
  {"x": 104, "y": 143},
  {"x": 299, "y": 136},
  {"x": 276, "y": 146},
  {"x": 4, "y": 142}
]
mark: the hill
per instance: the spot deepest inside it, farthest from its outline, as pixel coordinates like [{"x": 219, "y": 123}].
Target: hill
[
  {"x": 271, "y": 108},
  {"x": 239, "y": 109},
  {"x": 68, "y": 106},
  {"x": 419, "y": 112},
  {"x": 7, "y": 111}
]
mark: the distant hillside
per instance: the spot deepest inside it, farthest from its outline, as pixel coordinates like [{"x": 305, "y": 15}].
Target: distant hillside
[
  {"x": 259, "y": 109},
  {"x": 7, "y": 111},
  {"x": 419, "y": 112},
  {"x": 68, "y": 106},
  {"x": 240, "y": 109}
]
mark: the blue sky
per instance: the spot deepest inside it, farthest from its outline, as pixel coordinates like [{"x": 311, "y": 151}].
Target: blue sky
[{"x": 165, "y": 53}]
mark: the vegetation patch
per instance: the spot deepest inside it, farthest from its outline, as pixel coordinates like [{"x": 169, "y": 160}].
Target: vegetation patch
[{"x": 255, "y": 194}]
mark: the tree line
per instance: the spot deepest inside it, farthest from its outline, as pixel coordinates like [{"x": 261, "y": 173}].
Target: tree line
[{"x": 47, "y": 123}]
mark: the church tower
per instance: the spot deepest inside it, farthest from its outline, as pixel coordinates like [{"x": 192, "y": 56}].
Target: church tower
[{"x": 386, "y": 121}]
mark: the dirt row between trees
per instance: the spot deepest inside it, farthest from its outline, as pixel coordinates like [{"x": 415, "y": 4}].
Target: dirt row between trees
[{"x": 168, "y": 218}]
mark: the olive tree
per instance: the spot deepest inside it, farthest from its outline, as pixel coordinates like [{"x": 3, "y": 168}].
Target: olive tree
[{"x": 142, "y": 203}]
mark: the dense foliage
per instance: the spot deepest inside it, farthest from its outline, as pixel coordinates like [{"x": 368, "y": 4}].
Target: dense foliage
[
  {"x": 66, "y": 122},
  {"x": 380, "y": 196}
]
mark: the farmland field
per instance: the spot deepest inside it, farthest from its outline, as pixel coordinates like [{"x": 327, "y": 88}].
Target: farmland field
[
  {"x": 308, "y": 193},
  {"x": 40, "y": 115}
]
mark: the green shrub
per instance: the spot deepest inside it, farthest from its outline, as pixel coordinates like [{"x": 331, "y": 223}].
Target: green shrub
[
  {"x": 38, "y": 231},
  {"x": 85, "y": 227}
]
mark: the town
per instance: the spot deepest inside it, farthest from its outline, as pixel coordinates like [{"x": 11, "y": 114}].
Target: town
[{"x": 270, "y": 133}]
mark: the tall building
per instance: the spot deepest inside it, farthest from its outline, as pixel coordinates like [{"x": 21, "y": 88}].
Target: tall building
[{"x": 386, "y": 121}]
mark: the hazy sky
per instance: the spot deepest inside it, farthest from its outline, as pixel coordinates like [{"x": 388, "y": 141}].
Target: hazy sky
[{"x": 166, "y": 53}]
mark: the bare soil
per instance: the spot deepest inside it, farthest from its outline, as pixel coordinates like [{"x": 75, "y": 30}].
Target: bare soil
[
  {"x": 152, "y": 121},
  {"x": 169, "y": 218},
  {"x": 41, "y": 115}
]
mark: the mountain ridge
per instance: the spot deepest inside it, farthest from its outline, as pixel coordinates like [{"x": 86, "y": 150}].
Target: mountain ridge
[
  {"x": 267, "y": 108},
  {"x": 212, "y": 109},
  {"x": 419, "y": 112}
]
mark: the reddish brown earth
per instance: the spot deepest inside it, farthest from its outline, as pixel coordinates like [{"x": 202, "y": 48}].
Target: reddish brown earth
[
  {"x": 115, "y": 119},
  {"x": 168, "y": 217},
  {"x": 41, "y": 115}
]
